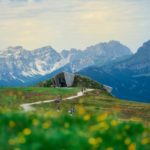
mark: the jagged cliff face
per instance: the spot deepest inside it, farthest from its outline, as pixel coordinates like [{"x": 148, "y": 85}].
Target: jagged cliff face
[{"x": 19, "y": 64}]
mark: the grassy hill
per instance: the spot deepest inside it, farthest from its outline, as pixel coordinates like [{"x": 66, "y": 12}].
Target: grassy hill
[
  {"x": 94, "y": 102},
  {"x": 126, "y": 125},
  {"x": 79, "y": 81},
  {"x": 13, "y": 97},
  {"x": 99, "y": 101},
  {"x": 83, "y": 81}
]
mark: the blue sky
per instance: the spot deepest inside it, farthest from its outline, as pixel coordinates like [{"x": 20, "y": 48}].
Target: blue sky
[{"x": 65, "y": 24}]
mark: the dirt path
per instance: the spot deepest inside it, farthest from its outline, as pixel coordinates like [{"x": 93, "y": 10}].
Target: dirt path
[{"x": 29, "y": 106}]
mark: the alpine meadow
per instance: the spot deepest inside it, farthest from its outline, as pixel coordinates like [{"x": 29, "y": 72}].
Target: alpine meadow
[{"x": 74, "y": 75}]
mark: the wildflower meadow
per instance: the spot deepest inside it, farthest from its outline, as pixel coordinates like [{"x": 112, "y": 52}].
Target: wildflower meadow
[{"x": 43, "y": 130}]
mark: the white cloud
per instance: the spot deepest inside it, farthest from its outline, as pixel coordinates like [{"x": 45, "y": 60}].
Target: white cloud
[{"x": 73, "y": 23}]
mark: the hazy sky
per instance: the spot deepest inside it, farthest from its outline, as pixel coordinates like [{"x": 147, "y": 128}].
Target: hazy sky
[{"x": 65, "y": 24}]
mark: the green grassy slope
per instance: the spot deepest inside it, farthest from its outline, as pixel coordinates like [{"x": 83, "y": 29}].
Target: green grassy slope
[
  {"x": 95, "y": 101},
  {"x": 99, "y": 101},
  {"x": 13, "y": 97},
  {"x": 98, "y": 118},
  {"x": 83, "y": 81},
  {"x": 79, "y": 81}
]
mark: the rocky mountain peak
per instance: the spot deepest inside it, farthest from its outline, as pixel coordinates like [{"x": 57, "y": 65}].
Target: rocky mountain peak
[
  {"x": 21, "y": 63},
  {"x": 45, "y": 49},
  {"x": 145, "y": 48}
]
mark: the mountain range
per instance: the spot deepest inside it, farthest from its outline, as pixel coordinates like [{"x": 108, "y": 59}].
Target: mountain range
[
  {"x": 21, "y": 67},
  {"x": 129, "y": 78},
  {"x": 110, "y": 63}
]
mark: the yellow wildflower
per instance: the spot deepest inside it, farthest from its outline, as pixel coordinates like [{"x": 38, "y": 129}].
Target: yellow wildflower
[
  {"x": 86, "y": 117},
  {"x": 114, "y": 123},
  {"x": 12, "y": 124},
  {"x": 46, "y": 125},
  {"x": 145, "y": 141},
  {"x": 132, "y": 146},
  {"x": 104, "y": 125},
  {"x": 81, "y": 110},
  {"x": 95, "y": 141},
  {"x": 102, "y": 117},
  {"x": 35, "y": 122},
  {"x": 127, "y": 141},
  {"x": 26, "y": 131}
]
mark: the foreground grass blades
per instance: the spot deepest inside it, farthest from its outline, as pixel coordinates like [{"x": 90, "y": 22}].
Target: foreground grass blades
[{"x": 47, "y": 130}]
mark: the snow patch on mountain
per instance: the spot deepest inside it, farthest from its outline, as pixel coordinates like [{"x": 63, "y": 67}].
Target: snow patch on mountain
[{"x": 17, "y": 63}]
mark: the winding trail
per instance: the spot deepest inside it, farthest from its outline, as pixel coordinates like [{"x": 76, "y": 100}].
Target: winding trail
[{"x": 29, "y": 106}]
